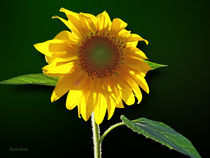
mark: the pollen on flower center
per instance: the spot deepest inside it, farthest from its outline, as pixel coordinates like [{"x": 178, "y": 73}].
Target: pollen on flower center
[{"x": 100, "y": 56}]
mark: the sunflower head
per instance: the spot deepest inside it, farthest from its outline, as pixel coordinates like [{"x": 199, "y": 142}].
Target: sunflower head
[{"x": 97, "y": 62}]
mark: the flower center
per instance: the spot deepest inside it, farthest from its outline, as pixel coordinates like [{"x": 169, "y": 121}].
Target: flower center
[{"x": 100, "y": 56}]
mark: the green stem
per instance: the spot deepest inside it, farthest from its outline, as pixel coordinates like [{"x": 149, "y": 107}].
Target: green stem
[
  {"x": 96, "y": 138},
  {"x": 110, "y": 129}
]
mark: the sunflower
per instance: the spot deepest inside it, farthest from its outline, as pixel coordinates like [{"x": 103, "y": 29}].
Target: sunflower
[{"x": 97, "y": 63}]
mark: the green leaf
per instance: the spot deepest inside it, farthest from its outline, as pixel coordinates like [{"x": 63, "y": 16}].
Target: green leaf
[
  {"x": 37, "y": 79},
  {"x": 154, "y": 65},
  {"x": 163, "y": 134}
]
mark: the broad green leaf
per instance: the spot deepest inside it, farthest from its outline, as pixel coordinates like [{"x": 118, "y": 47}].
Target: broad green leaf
[
  {"x": 37, "y": 79},
  {"x": 163, "y": 134},
  {"x": 154, "y": 65}
]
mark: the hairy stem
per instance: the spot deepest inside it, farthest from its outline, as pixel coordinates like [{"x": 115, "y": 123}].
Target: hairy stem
[{"x": 96, "y": 138}]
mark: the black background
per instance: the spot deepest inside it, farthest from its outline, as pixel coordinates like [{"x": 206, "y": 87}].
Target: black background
[{"x": 178, "y": 32}]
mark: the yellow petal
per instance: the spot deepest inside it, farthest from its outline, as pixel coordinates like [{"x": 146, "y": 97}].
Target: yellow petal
[
  {"x": 79, "y": 111},
  {"x": 140, "y": 81},
  {"x": 118, "y": 25},
  {"x": 65, "y": 53},
  {"x": 119, "y": 103},
  {"x": 88, "y": 101},
  {"x": 92, "y": 20},
  {"x": 69, "y": 24},
  {"x": 135, "y": 37},
  {"x": 63, "y": 68},
  {"x": 104, "y": 21},
  {"x": 69, "y": 13},
  {"x": 57, "y": 48},
  {"x": 59, "y": 60},
  {"x": 131, "y": 83},
  {"x": 67, "y": 37},
  {"x": 80, "y": 95},
  {"x": 83, "y": 107},
  {"x": 110, "y": 101},
  {"x": 115, "y": 92},
  {"x": 126, "y": 93},
  {"x": 50, "y": 46},
  {"x": 61, "y": 88},
  {"x": 67, "y": 82},
  {"x": 100, "y": 108},
  {"x": 91, "y": 97},
  {"x": 136, "y": 89},
  {"x": 138, "y": 65},
  {"x": 73, "y": 99},
  {"x": 126, "y": 36},
  {"x": 134, "y": 52},
  {"x": 132, "y": 44},
  {"x": 64, "y": 45},
  {"x": 75, "y": 22},
  {"x": 110, "y": 106},
  {"x": 75, "y": 95},
  {"x": 66, "y": 22},
  {"x": 85, "y": 26}
]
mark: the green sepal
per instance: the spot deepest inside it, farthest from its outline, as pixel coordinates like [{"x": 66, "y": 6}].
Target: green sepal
[{"x": 153, "y": 65}]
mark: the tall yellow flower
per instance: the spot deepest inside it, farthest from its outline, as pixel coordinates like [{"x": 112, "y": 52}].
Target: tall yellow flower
[{"x": 97, "y": 63}]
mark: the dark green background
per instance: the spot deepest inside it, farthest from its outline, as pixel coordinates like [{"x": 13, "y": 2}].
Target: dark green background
[{"x": 178, "y": 32}]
